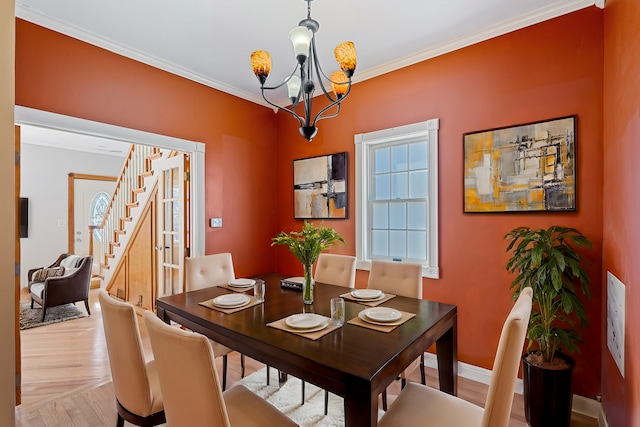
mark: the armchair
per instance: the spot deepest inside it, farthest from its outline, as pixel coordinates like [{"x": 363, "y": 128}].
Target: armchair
[{"x": 71, "y": 287}]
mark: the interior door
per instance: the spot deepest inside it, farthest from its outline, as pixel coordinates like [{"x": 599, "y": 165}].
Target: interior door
[
  {"x": 90, "y": 195},
  {"x": 17, "y": 279},
  {"x": 172, "y": 223}
]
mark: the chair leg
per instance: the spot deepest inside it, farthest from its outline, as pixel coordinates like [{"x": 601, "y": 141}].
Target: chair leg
[
  {"x": 86, "y": 305},
  {"x": 44, "y": 313},
  {"x": 326, "y": 402},
  {"x": 302, "y": 392},
  {"x": 120, "y": 422},
  {"x": 403, "y": 383},
  {"x": 31, "y": 302},
  {"x": 384, "y": 400},
  {"x": 268, "y": 375},
  {"x": 224, "y": 372},
  {"x": 423, "y": 376},
  {"x": 241, "y": 365}
]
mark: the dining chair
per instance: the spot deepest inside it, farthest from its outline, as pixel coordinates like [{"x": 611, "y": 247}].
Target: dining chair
[
  {"x": 190, "y": 385},
  {"x": 138, "y": 397},
  {"x": 204, "y": 272},
  {"x": 417, "y": 404},
  {"x": 339, "y": 270},
  {"x": 404, "y": 279}
]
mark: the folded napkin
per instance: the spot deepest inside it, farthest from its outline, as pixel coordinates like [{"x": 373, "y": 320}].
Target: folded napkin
[
  {"x": 382, "y": 328},
  {"x": 281, "y": 324},
  {"x": 209, "y": 304},
  {"x": 350, "y": 297}
]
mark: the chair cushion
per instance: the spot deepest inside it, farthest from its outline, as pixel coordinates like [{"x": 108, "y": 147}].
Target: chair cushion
[
  {"x": 36, "y": 289},
  {"x": 247, "y": 409},
  {"x": 71, "y": 261},
  {"x": 419, "y": 405}
]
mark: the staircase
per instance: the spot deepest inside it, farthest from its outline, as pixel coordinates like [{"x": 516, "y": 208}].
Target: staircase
[{"x": 135, "y": 189}]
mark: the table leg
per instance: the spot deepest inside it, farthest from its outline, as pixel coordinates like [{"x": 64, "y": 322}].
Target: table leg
[
  {"x": 360, "y": 404},
  {"x": 447, "y": 355}
]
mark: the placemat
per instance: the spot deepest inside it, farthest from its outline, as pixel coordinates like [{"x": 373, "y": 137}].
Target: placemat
[
  {"x": 382, "y": 328},
  {"x": 209, "y": 304},
  {"x": 235, "y": 288},
  {"x": 350, "y": 297},
  {"x": 281, "y": 324}
]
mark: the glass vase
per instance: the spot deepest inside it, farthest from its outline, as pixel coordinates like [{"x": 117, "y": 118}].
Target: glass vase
[{"x": 307, "y": 284}]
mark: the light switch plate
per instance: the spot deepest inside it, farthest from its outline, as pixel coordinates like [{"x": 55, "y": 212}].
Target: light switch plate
[
  {"x": 615, "y": 319},
  {"x": 216, "y": 222}
]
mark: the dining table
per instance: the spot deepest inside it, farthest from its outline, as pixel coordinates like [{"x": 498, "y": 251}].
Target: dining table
[{"x": 352, "y": 361}]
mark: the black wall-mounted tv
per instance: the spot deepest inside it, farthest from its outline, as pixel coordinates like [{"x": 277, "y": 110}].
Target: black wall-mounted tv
[{"x": 23, "y": 211}]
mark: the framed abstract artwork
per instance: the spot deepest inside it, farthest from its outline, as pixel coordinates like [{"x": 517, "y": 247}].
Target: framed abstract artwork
[
  {"x": 320, "y": 187},
  {"x": 524, "y": 168}
]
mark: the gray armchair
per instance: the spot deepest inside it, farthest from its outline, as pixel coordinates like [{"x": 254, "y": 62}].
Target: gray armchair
[{"x": 72, "y": 286}]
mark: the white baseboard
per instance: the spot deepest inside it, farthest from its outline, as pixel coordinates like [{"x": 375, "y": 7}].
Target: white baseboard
[{"x": 582, "y": 405}]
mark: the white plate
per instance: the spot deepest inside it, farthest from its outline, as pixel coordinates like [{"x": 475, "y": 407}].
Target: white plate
[
  {"x": 367, "y": 294},
  {"x": 242, "y": 283},
  {"x": 362, "y": 316},
  {"x": 231, "y": 300},
  {"x": 306, "y": 321},
  {"x": 382, "y": 314}
]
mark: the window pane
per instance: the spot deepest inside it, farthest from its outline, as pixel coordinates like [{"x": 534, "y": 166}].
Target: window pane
[
  {"x": 418, "y": 184},
  {"x": 382, "y": 187},
  {"x": 381, "y": 160},
  {"x": 379, "y": 243},
  {"x": 399, "y": 158},
  {"x": 417, "y": 244},
  {"x": 380, "y": 216},
  {"x": 399, "y": 185},
  {"x": 398, "y": 216},
  {"x": 417, "y": 216},
  {"x": 398, "y": 244},
  {"x": 418, "y": 156}
]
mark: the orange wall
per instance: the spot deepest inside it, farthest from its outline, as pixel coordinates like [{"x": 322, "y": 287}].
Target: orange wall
[
  {"x": 63, "y": 75},
  {"x": 621, "y": 396},
  {"x": 549, "y": 70}
]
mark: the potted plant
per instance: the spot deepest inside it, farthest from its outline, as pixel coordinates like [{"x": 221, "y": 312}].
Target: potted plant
[
  {"x": 547, "y": 261},
  {"x": 306, "y": 245}
]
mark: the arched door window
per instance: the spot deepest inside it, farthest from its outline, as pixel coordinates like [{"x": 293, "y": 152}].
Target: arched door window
[{"x": 98, "y": 209}]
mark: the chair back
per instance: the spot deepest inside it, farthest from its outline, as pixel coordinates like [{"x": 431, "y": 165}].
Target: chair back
[
  {"x": 399, "y": 278},
  {"x": 209, "y": 270},
  {"x": 497, "y": 409},
  {"x": 126, "y": 358},
  {"x": 188, "y": 378},
  {"x": 337, "y": 270}
]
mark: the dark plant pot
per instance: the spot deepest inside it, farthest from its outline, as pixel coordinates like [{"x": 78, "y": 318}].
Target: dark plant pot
[{"x": 548, "y": 394}]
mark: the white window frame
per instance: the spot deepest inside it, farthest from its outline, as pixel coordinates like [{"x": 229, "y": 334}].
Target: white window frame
[{"x": 428, "y": 131}]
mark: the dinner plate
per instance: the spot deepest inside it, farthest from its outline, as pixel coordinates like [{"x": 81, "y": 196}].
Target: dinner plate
[
  {"x": 306, "y": 321},
  {"x": 382, "y": 314},
  {"x": 242, "y": 283},
  {"x": 367, "y": 294},
  {"x": 362, "y": 316},
  {"x": 231, "y": 300}
]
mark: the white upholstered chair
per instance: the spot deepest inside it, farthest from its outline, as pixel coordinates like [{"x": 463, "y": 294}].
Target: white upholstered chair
[
  {"x": 138, "y": 397},
  {"x": 190, "y": 385},
  {"x": 420, "y": 405},
  {"x": 404, "y": 279},
  {"x": 204, "y": 272},
  {"x": 339, "y": 270}
]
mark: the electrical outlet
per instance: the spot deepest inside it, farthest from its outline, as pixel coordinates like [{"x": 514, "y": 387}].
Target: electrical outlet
[{"x": 615, "y": 319}]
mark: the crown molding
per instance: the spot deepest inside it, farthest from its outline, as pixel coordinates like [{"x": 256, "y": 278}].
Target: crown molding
[{"x": 535, "y": 17}]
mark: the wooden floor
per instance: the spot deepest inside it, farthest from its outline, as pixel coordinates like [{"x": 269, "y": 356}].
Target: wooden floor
[{"x": 66, "y": 378}]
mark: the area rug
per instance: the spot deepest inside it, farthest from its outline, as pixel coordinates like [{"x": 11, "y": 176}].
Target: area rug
[
  {"x": 288, "y": 399},
  {"x": 31, "y": 317}
]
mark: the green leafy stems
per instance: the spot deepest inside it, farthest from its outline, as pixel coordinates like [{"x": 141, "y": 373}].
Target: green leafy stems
[
  {"x": 307, "y": 244},
  {"x": 545, "y": 260}
]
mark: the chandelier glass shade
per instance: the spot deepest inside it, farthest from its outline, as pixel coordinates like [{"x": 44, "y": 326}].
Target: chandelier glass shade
[{"x": 300, "y": 83}]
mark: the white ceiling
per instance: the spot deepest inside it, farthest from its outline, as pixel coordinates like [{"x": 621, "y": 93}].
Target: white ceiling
[{"x": 210, "y": 41}]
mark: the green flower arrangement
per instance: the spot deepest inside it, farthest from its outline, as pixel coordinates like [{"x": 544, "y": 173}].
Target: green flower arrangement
[{"x": 307, "y": 245}]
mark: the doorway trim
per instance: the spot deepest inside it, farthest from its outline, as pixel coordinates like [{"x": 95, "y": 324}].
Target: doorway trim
[{"x": 45, "y": 119}]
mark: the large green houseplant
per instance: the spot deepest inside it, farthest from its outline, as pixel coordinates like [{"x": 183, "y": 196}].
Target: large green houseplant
[
  {"x": 307, "y": 245},
  {"x": 547, "y": 261}
]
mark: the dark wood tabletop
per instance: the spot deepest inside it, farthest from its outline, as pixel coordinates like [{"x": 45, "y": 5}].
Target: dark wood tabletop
[{"x": 353, "y": 362}]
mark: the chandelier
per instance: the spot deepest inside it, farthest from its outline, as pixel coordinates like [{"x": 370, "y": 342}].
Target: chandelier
[{"x": 300, "y": 83}]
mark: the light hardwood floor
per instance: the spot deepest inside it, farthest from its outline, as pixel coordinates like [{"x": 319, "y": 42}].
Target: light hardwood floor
[{"x": 66, "y": 378}]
